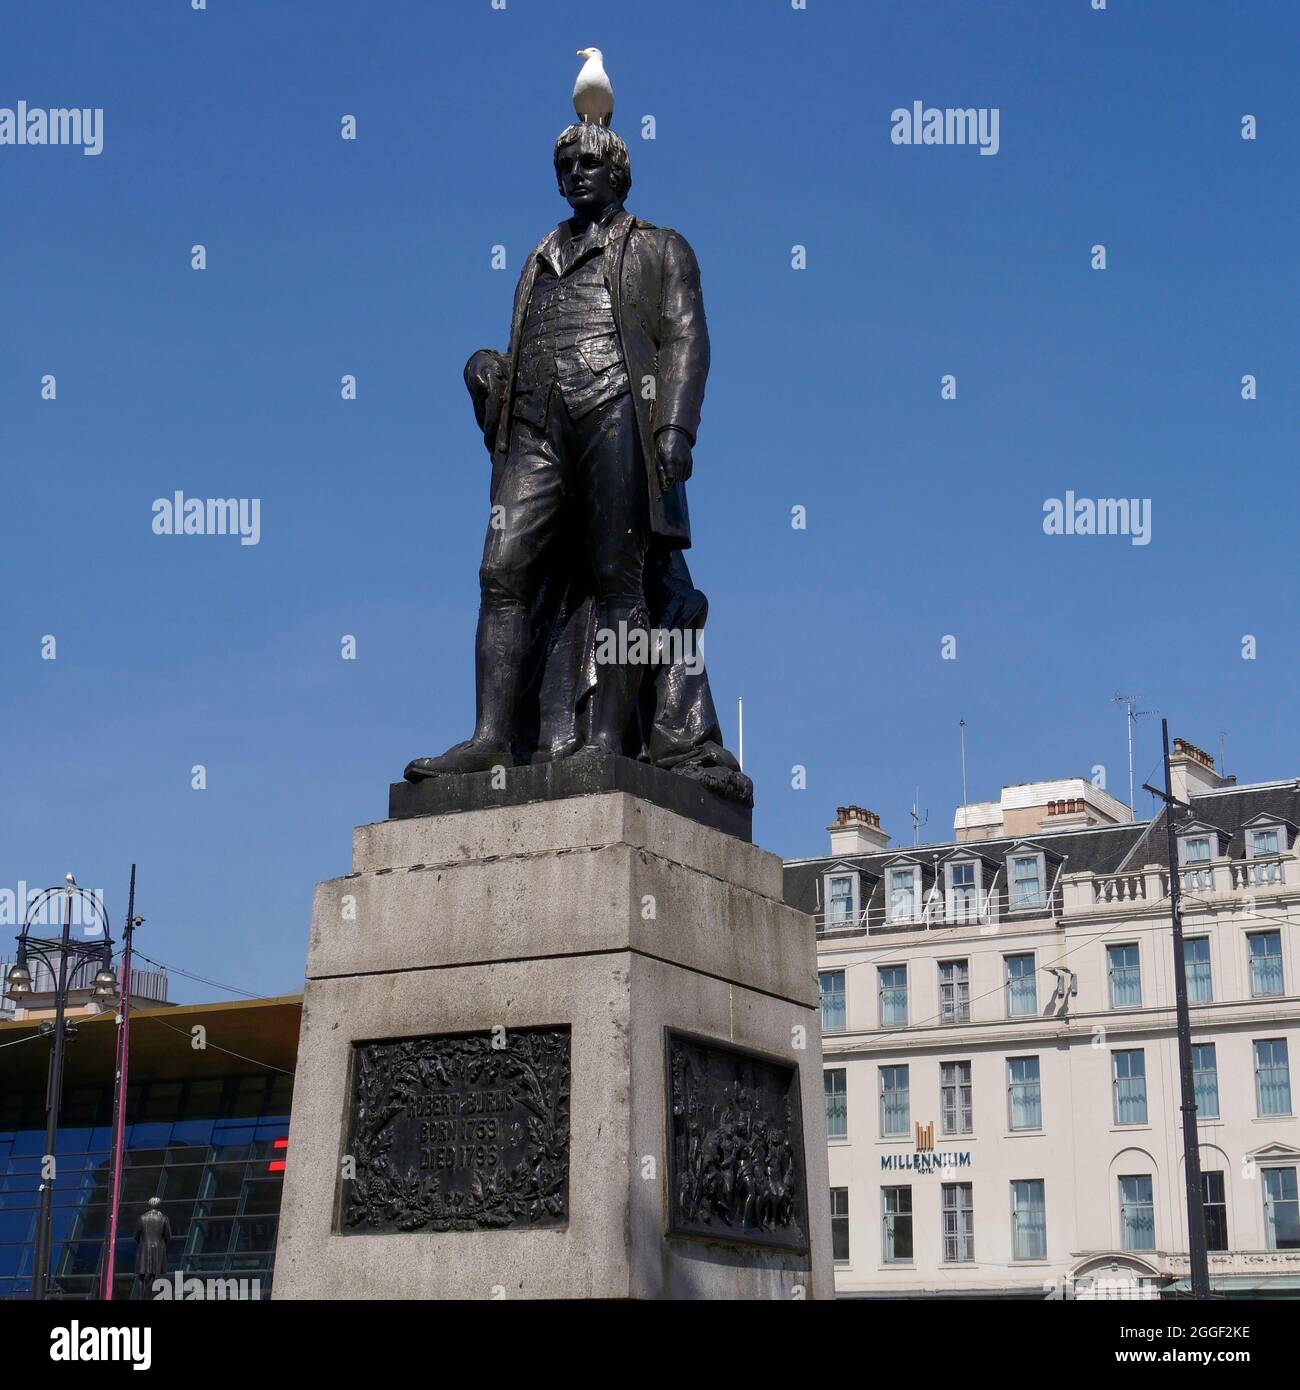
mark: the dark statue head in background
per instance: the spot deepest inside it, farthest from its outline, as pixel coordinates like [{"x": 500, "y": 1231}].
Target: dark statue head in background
[{"x": 593, "y": 170}]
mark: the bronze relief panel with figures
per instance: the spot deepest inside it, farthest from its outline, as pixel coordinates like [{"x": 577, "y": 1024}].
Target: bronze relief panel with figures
[{"x": 735, "y": 1152}]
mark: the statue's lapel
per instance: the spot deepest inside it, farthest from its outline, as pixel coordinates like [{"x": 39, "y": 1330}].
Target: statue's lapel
[
  {"x": 549, "y": 250},
  {"x": 616, "y": 240}
]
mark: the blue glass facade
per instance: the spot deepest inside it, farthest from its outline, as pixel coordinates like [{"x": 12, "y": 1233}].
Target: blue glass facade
[{"x": 205, "y": 1145}]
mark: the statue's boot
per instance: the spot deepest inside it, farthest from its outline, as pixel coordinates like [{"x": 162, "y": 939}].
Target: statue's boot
[
  {"x": 618, "y": 686},
  {"x": 554, "y": 755},
  {"x": 474, "y": 755},
  {"x": 499, "y": 652}
]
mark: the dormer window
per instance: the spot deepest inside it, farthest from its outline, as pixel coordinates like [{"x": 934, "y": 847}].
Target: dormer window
[
  {"x": 1199, "y": 877},
  {"x": 963, "y": 890},
  {"x": 1263, "y": 842},
  {"x": 1199, "y": 845},
  {"x": 840, "y": 907},
  {"x": 1267, "y": 839},
  {"x": 1027, "y": 882},
  {"x": 904, "y": 894},
  {"x": 840, "y": 892}
]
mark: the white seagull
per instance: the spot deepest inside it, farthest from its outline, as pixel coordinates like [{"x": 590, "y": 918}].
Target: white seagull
[{"x": 593, "y": 97}]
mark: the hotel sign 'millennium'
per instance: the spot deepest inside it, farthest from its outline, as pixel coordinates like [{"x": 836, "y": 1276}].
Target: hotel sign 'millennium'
[{"x": 925, "y": 1160}]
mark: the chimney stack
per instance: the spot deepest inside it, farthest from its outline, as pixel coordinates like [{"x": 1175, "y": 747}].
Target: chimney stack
[
  {"x": 856, "y": 831},
  {"x": 1191, "y": 770}
]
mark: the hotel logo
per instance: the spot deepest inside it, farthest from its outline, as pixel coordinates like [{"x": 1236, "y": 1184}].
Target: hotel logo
[{"x": 925, "y": 1159}]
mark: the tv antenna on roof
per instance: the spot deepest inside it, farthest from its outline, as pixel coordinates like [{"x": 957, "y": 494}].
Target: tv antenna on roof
[
  {"x": 1130, "y": 701},
  {"x": 917, "y": 820}
]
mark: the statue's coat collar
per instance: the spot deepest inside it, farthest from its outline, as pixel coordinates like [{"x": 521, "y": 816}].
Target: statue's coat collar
[{"x": 562, "y": 250}]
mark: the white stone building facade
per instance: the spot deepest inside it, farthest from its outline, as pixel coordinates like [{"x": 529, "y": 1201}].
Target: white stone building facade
[{"x": 1000, "y": 1051}]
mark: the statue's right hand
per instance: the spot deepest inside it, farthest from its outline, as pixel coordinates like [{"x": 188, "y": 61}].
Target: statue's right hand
[
  {"x": 485, "y": 376},
  {"x": 673, "y": 460},
  {"x": 483, "y": 370}
]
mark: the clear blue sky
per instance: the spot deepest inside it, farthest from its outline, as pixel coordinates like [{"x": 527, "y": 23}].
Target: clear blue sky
[{"x": 924, "y": 516}]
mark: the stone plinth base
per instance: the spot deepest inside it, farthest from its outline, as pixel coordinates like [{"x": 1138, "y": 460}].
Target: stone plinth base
[
  {"x": 587, "y": 775},
  {"x": 485, "y": 1104}
]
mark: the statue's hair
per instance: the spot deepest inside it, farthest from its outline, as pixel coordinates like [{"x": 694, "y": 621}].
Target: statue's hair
[{"x": 601, "y": 140}]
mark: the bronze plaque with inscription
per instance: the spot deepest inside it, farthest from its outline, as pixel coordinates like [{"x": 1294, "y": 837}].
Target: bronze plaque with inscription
[
  {"x": 458, "y": 1132},
  {"x": 735, "y": 1150}
]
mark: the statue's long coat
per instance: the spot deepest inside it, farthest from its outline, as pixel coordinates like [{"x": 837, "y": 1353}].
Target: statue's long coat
[
  {"x": 654, "y": 284},
  {"x": 152, "y": 1232}
]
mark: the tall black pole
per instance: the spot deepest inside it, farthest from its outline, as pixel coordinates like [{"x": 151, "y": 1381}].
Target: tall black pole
[
  {"x": 1200, "y": 1269},
  {"x": 53, "y": 1097},
  {"x": 108, "y": 1261}
]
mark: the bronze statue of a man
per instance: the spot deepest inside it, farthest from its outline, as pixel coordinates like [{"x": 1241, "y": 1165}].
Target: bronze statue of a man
[
  {"x": 590, "y": 418},
  {"x": 152, "y": 1232}
]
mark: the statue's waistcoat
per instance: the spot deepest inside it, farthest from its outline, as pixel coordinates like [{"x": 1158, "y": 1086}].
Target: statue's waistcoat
[
  {"x": 569, "y": 342},
  {"x": 654, "y": 286}
]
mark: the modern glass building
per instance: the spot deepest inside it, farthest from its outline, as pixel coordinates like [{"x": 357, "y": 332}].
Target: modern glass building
[{"x": 206, "y": 1132}]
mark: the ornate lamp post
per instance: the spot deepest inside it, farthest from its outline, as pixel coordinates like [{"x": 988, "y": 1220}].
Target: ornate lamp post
[{"x": 69, "y": 963}]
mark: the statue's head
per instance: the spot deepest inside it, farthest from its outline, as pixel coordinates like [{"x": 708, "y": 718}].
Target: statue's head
[
  {"x": 155, "y": 1203},
  {"x": 592, "y": 167}
]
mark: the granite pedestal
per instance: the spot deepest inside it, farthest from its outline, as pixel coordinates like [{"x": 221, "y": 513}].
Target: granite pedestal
[{"x": 566, "y": 1048}]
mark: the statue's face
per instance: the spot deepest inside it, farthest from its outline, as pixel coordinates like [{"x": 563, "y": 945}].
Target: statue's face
[{"x": 586, "y": 180}]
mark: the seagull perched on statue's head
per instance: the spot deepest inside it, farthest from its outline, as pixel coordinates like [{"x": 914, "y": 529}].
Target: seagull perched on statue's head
[{"x": 593, "y": 97}]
